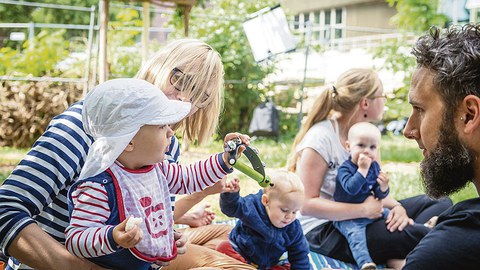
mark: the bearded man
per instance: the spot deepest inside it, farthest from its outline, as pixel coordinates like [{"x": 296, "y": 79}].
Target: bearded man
[{"x": 445, "y": 122}]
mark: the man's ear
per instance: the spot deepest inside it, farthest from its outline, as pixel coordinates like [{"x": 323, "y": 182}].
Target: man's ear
[
  {"x": 347, "y": 145},
  {"x": 265, "y": 199},
  {"x": 471, "y": 106},
  {"x": 130, "y": 146}
]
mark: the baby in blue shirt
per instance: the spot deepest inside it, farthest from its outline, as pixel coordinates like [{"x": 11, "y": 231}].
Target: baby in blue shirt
[
  {"x": 357, "y": 178},
  {"x": 267, "y": 225}
]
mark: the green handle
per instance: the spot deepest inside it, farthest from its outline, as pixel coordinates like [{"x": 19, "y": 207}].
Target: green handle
[{"x": 263, "y": 182}]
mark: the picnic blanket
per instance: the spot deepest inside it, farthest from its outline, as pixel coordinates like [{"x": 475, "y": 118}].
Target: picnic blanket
[{"x": 319, "y": 261}]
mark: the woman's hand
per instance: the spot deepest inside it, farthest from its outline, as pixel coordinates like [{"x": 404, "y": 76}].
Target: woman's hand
[
  {"x": 372, "y": 208},
  {"x": 398, "y": 219},
  {"x": 200, "y": 216},
  {"x": 180, "y": 241}
]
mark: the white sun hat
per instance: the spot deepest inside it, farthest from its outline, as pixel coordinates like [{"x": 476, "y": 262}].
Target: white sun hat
[{"x": 115, "y": 110}]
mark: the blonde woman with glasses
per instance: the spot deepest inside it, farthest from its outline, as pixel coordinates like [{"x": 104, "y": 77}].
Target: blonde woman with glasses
[{"x": 33, "y": 212}]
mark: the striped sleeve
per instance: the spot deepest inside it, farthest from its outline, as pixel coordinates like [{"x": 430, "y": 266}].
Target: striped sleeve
[
  {"x": 48, "y": 169},
  {"x": 172, "y": 157},
  {"x": 173, "y": 151},
  {"x": 194, "y": 177},
  {"x": 87, "y": 235}
]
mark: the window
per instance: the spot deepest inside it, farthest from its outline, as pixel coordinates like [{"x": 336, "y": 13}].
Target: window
[
  {"x": 316, "y": 16},
  {"x": 338, "y": 23},
  {"x": 338, "y": 16},
  {"x": 326, "y": 24}
]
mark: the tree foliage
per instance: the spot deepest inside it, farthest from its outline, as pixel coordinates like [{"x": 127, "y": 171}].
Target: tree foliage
[
  {"x": 217, "y": 22},
  {"x": 25, "y": 14},
  {"x": 414, "y": 17},
  {"x": 39, "y": 56},
  {"x": 417, "y": 15},
  {"x": 220, "y": 25}
]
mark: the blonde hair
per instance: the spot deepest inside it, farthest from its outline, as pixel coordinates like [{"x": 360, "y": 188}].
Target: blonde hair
[
  {"x": 283, "y": 182},
  {"x": 203, "y": 65},
  {"x": 344, "y": 97}
]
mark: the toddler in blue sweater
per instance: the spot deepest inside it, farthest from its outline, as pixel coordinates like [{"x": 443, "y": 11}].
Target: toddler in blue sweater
[
  {"x": 359, "y": 177},
  {"x": 267, "y": 226}
]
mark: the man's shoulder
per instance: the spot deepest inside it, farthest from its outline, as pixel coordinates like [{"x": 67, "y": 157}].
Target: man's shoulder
[
  {"x": 450, "y": 243},
  {"x": 465, "y": 212},
  {"x": 461, "y": 218}
]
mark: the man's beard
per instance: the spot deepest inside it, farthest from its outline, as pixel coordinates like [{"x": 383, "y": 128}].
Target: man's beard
[{"x": 449, "y": 167}]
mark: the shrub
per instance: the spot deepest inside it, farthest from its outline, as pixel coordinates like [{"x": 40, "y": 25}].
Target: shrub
[{"x": 27, "y": 108}]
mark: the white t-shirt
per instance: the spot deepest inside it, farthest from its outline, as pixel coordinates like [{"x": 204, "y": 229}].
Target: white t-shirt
[{"x": 323, "y": 137}]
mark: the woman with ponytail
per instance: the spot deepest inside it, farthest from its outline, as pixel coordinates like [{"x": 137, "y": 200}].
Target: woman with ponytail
[{"x": 318, "y": 151}]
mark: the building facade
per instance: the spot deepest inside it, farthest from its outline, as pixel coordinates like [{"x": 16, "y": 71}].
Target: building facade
[{"x": 342, "y": 22}]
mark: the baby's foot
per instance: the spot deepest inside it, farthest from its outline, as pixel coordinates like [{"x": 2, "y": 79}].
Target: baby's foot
[{"x": 432, "y": 222}]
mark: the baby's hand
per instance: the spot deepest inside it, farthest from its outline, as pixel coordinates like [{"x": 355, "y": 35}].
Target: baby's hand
[
  {"x": 382, "y": 180},
  {"x": 245, "y": 139},
  {"x": 127, "y": 238},
  {"x": 232, "y": 185},
  {"x": 131, "y": 222},
  {"x": 364, "y": 161}
]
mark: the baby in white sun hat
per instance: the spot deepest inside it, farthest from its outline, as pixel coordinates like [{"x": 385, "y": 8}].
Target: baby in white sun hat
[{"x": 125, "y": 175}]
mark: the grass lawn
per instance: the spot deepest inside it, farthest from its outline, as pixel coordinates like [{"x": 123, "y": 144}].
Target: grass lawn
[{"x": 400, "y": 159}]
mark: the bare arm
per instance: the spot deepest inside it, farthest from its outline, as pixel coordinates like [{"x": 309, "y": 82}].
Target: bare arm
[
  {"x": 196, "y": 219},
  {"x": 182, "y": 206},
  {"x": 37, "y": 249},
  {"x": 312, "y": 169},
  {"x": 397, "y": 219}
]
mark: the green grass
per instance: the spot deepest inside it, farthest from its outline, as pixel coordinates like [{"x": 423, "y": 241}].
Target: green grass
[
  {"x": 399, "y": 149},
  {"x": 9, "y": 158},
  {"x": 400, "y": 160}
]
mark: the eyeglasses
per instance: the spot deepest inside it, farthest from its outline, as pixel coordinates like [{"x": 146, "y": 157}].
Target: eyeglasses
[
  {"x": 177, "y": 79},
  {"x": 380, "y": 96},
  {"x": 202, "y": 103}
]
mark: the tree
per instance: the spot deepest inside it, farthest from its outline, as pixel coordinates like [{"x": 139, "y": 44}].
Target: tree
[
  {"x": 25, "y": 14},
  {"x": 417, "y": 15},
  {"x": 414, "y": 17},
  {"x": 220, "y": 25}
]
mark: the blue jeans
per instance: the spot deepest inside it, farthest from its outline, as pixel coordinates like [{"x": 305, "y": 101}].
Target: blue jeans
[{"x": 354, "y": 231}]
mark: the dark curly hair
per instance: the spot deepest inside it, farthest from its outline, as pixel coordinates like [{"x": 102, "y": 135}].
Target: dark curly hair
[{"x": 454, "y": 57}]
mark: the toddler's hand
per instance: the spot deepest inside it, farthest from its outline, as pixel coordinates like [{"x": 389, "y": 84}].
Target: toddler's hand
[
  {"x": 382, "y": 180},
  {"x": 127, "y": 239},
  {"x": 232, "y": 185},
  {"x": 245, "y": 139},
  {"x": 218, "y": 187},
  {"x": 364, "y": 161}
]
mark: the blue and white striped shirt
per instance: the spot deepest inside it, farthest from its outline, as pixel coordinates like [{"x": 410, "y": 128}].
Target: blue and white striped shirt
[{"x": 36, "y": 191}]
